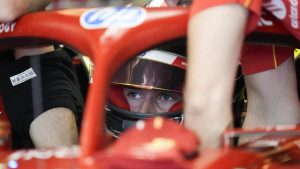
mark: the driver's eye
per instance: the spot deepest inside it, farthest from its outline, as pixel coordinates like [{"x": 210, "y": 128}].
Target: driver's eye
[
  {"x": 134, "y": 95},
  {"x": 165, "y": 97}
]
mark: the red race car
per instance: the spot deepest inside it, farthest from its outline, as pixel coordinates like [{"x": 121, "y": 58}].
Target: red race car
[{"x": 110, "y": 36}]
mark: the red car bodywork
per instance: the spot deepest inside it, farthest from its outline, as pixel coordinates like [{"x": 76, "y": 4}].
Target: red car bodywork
[{"x": 109, "y": 48}]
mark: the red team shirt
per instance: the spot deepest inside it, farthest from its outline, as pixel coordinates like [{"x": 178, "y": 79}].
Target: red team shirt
[{"x": 260, "y": 58}]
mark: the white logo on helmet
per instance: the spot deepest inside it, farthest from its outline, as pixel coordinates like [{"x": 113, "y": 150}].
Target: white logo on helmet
[{"x": 164, "y": 57}]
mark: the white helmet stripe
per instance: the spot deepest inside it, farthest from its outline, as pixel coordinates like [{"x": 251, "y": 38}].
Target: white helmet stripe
[
  {"x": 164, "y": 57},
  {"x": 157, "y": 3}
]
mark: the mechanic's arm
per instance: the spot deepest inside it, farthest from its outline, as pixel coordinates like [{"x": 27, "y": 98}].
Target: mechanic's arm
[
  {"x": 215, "y": 37},
  {"x": 12, "y": 9}
]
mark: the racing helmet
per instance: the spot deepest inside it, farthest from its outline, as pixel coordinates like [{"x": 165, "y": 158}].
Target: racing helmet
[{"x": 149, "y": 85}]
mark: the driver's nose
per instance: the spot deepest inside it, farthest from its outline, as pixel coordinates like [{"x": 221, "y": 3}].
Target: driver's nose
[{"x": 147, "y": 105}]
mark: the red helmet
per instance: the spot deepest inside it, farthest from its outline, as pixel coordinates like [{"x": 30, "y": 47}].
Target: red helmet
[{"x": 149, "y": 85}]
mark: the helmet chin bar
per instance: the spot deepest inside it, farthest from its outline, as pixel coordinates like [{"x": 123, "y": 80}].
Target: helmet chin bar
[{"x": 118, "y": 120}]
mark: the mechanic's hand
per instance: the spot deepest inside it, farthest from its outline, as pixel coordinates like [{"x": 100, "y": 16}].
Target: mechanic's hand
[{"x": 12, "y": 9}]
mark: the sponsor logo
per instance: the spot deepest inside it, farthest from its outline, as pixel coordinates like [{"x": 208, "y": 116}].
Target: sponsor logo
[
  {"x": 263, "y": 21},
  {"x": 7, "y": 27},
  {"x": 277, "y": 8},
  {"x": 294, "y": 13},
  {"x": 119, "y": 17},
  {"x": 60, "y": 153},
  {"x": 22, "y": 77}
]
